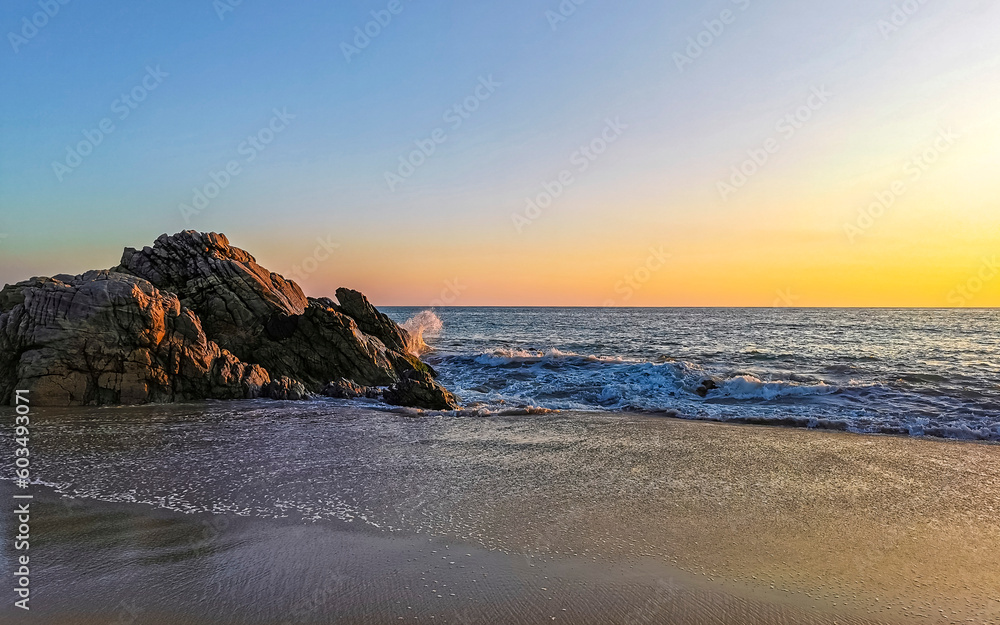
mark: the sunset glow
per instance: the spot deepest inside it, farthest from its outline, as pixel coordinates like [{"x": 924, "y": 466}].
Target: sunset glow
[{"x": 827, "y": 155}]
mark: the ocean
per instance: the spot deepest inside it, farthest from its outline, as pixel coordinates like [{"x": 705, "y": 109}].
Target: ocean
[{"x": 914, "y": 372}]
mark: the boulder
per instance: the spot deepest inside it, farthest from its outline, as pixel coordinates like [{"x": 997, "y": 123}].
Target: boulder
[
  {"x": 419, "y": 389},
  {"x": 345, "y": 389},
  {"x": 285, "y": 388},
  {"x": 193, "y": 317},
  {"x": 238, "y": 301},
  {"x": 263, "y": 318},
  {"x": 110, "y": 338},
  {"x": 705, "y": 387}
]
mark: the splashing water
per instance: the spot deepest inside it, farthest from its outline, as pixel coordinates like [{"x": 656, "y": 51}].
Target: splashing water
[
  {"x": 910, "y": 372},
  {"x": 424, "y": 323}
]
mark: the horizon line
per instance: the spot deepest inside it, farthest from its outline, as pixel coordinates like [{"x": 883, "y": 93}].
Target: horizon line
[{"x": 700, "y": 307}]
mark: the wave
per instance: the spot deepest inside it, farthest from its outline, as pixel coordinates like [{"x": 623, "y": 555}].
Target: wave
[
  {"x": 751, "y": 387},
  {"x": 566, "y": 380},
  {"x": 514, "y": 380},
  {"x": 424, "y": 323},
  {"x": 527, "y": 356}
]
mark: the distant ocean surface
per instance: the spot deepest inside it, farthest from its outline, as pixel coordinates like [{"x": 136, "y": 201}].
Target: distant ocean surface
[{"x": 914, "y": 372}]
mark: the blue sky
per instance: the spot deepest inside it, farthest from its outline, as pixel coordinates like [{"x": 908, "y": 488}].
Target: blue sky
[{"x": 556, "y": 84}]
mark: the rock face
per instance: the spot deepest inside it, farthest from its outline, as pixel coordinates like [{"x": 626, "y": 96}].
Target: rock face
[
  {"x": 193, "y": 318},
  {"x": 371, "y": 321},
  {"x": 111, "y": 338}
]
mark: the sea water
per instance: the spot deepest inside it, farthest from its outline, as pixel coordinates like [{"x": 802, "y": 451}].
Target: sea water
[{"x": 912, "y": 372}]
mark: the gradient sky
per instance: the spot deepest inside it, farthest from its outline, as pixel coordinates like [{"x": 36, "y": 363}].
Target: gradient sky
[{"x": 445, "y": 234}]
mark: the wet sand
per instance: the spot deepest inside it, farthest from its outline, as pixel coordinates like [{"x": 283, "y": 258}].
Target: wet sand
[{"x": 691, "y": 523}]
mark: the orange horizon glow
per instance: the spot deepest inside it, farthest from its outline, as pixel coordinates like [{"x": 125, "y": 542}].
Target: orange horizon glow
[{"x": 807, "y": 158}]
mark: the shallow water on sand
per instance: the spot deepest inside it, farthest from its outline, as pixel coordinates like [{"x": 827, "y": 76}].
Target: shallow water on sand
[
  {"x": 109, "y": 563},
  {"x": 820, "y": 523}
]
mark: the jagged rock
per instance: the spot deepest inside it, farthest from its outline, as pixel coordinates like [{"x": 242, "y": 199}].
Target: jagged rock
[
  {"x": 371, "y": 321},
  {"x": 118, "y": 336},
  {"x": 263, "y": 318},
  {"x": 110, "y": 338},
  {"x": 285, "y": 388},
  {"x": 418, "y": 388},
  {"x": 237, "y": 299}
]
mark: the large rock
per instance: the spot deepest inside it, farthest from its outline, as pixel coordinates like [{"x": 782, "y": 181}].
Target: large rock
[
  {"x": 111, "y": 338},
  {"x": 237, "y": 299},
  {"x": 263, "y": 318},
  {"x": 371, "y": 321},
  {"x": 253, "y": 326}
]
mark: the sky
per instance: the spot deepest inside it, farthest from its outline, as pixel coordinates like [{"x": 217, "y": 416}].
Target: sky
[{"x": 526, "y": 152}]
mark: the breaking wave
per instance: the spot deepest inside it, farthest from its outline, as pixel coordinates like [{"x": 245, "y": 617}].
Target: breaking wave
[
  {"x": 499, "y": 380},
  {"x": 566, "y": 380},
  {"x": 424, "y": 323},
  {"x": 914, "y": 373}
]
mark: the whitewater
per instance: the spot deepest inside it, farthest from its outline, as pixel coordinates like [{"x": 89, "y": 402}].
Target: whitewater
[{"x": 929, "y": 373}]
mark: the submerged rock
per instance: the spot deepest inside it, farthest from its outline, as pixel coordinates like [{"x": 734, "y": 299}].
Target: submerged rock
[
  {"x": 194, "y": 318},
  {"x": 705, "y": 387}
]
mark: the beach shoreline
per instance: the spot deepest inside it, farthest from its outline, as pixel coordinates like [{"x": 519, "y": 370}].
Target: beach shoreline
[{"x": 692, "y": 521}]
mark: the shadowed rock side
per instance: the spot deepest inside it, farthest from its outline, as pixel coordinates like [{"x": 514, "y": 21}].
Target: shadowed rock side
[{"x": 194, "y": 318}]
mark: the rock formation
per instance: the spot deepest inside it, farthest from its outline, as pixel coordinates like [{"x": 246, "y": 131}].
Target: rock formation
[{"x": 194, "y": 318}]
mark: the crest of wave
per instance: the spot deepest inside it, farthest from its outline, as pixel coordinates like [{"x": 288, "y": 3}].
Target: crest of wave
[{"x": 424, "y": 323}]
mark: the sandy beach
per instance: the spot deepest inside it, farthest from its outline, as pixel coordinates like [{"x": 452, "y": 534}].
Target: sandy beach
[{"x": 578, "y": 518}]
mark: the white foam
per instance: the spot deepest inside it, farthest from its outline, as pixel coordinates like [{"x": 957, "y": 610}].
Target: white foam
[
  {"x": 423, "y": 324},
  {"x": 506, "y": 356},
  {"x": 751, "y": 387}
]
